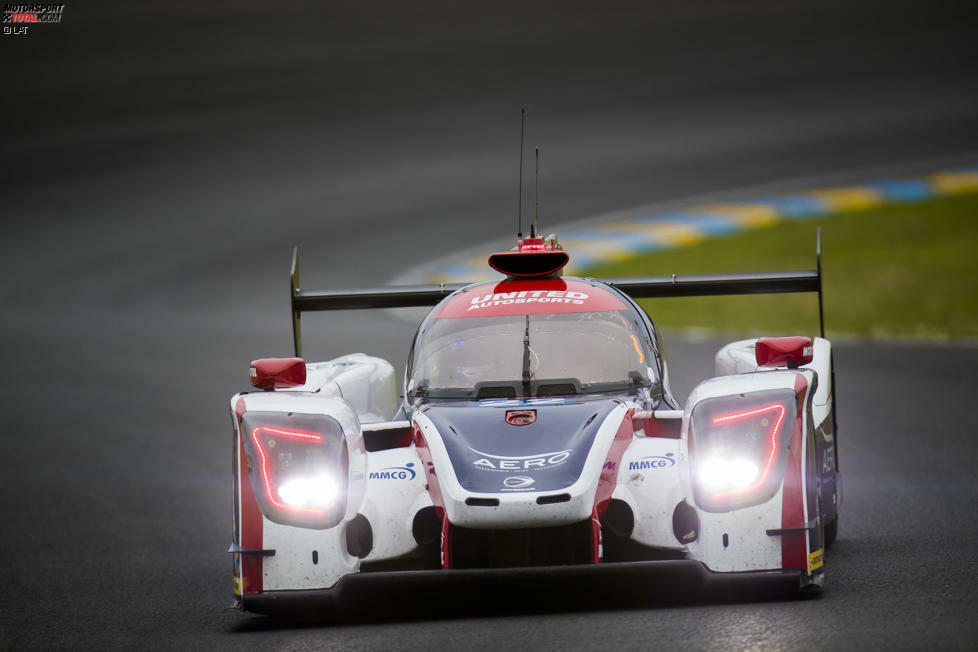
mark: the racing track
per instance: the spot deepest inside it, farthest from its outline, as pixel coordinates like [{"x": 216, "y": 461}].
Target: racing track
[{"x": 149, "y": 201}]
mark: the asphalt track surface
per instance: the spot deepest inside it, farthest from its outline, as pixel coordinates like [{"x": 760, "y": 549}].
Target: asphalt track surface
[{"x": 160, "y": 159}]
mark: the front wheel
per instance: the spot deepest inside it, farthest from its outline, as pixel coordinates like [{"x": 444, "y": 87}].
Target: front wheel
[{"x": 831, "y": 531}]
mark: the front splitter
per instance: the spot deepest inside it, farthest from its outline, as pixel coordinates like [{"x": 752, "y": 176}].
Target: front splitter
[{"x": 630, "y": 581}]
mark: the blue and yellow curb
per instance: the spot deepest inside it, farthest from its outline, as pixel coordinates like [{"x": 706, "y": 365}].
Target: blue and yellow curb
[{"x": 619, "y": 240}]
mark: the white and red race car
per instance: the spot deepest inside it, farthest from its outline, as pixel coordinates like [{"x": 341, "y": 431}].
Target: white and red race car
[{"x": 536, "y": 428}]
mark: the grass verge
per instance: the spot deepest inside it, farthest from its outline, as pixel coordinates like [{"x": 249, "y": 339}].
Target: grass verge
[{"x": 901, "y": 270}]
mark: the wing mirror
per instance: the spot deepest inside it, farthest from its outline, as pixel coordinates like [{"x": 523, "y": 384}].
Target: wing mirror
[
  {"x": 791, "y": 352},
  {"x": 278, "y": 373}
]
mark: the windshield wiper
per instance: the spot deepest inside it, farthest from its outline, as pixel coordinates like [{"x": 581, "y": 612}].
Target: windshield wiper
[
  {"x": 635, "y": 380},
  {"x": 526, "y": 358},
  {"x": 444, "y": 392}
]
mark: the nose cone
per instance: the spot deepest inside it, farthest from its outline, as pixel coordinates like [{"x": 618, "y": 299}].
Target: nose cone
[{"x": 537, "y": 445}]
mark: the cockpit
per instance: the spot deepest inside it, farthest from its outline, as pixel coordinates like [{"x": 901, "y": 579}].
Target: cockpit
[{"x": 528, "y": 353}]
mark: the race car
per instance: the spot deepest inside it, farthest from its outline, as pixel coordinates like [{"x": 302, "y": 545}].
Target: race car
[{"x": 535, "y": 427}]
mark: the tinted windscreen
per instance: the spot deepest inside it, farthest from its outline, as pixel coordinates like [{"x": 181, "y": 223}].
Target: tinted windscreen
[{"x": 567, "y": 353}]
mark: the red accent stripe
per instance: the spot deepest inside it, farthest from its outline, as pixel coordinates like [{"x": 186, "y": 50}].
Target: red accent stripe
[
  {"x": 609, "y": 472},
  {"x": 609, "y": 480},
  {"x": 597, "y": 549},
  {"x": 252, "y": 535},
  {"x": 434, "y": 490},
  {"x": 794, "y": 553},
  {"x": 446, "y": 543}
]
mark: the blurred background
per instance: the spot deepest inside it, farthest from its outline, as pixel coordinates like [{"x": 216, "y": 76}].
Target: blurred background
[{"x": 160, "y": 159}]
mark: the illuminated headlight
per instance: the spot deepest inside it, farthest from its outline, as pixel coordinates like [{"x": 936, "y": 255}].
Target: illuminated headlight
[
  {"x": 321, "y": 491},
  {"x": 716, "y": 474},
  {"x": 298, "y": 466},
  {"x": 738, "y": 448}
]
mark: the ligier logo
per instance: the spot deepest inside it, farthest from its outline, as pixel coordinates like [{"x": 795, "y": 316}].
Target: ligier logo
[
  {"x": 505, "y": 463},
  {"x": 652, "y": 462},
  {"x": 528, "y": 296},
  {"x": 405, "y": 472},
  {"x": 517, "y": 482}
]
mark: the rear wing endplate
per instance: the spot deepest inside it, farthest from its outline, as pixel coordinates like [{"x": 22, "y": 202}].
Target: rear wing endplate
[{"x": 642, "y": 287}]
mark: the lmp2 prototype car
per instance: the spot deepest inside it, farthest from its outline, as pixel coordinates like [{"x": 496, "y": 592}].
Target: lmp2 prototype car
[{"x": 536, "y": 428}]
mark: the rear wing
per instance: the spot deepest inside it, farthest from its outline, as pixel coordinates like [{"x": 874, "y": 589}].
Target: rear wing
[{"x": 641, "y": 287}]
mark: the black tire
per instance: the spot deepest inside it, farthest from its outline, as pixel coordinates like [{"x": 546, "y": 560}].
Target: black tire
[
  {"x": 831, "y": 531},
  {"x": 832, "y": 528}
]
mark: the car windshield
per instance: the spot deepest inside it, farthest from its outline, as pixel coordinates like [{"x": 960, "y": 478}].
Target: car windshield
[{"x": 531, "y": 355}]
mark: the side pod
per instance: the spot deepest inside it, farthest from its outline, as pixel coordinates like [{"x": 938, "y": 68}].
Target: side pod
[
  {"x": 299, "y": 471},
  {"x": 748, "y": 469}
]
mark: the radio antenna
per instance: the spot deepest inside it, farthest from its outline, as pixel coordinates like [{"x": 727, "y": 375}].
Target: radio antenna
[
  {"x": 536, "y": 198},
  {"x": 519, "y": 206}
]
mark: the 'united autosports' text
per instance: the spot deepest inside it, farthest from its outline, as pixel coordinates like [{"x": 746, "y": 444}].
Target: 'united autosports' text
[{"x": 528, "y": 296}]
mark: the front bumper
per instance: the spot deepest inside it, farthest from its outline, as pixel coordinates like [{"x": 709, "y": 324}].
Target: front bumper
[{"x": 624, "y": 583}]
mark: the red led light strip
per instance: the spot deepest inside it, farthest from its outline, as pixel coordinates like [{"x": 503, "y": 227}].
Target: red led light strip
[
  {"x": 294, "y": 434},
  {"x": 726, "y": 418}
]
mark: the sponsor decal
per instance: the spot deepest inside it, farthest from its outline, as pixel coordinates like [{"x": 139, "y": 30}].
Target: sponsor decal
[
  {"x": 405, "y": 472},
  {"x": 653, "y": 462},
  {"x": 520, "y": 417},
  {"x": 528, "y": 296},
  {"x": 506, "y": 463},
  {"x": 517, "y": 482},
  {"x": 828, "y": 461},
  {"x": 815, "y": 560}
]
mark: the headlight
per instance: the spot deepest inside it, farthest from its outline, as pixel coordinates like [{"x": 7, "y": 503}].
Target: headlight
[
  {"x": 318, "y": 492},
  {"x": 298, "y": 465},
  {"x": 738, "y": 448}
]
